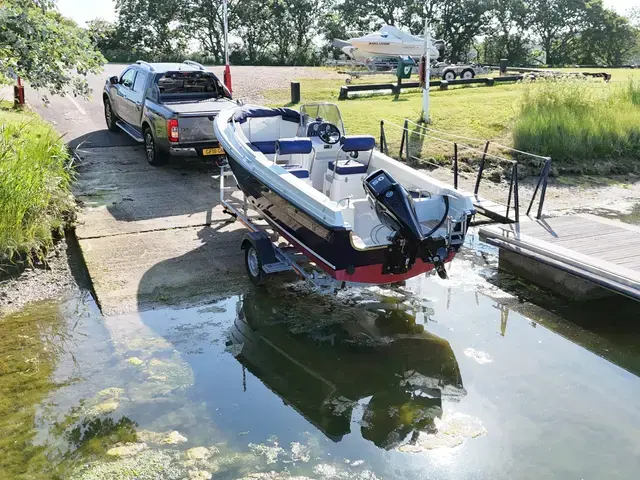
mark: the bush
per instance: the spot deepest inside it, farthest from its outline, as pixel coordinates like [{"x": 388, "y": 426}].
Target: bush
[
  {"x": 578, "y": 121},
  {"x": 35, "y": 180}
]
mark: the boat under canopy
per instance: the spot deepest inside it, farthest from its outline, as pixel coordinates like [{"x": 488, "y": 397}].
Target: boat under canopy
[{"x": 360, "y": 215}]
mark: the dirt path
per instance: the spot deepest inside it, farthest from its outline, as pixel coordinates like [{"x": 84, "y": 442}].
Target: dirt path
[{"x": 610, "y": 196}]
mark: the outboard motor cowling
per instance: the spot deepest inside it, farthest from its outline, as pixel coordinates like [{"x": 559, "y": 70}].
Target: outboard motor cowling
[
  {"x": 396, "y": 210},
  {"x": 394, "y": 205}
]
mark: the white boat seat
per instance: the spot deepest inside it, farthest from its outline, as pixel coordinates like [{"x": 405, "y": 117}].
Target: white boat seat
[{"x": 347, "y": 167}]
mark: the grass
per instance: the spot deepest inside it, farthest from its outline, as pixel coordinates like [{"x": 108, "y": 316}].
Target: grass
[
  {"x": 577, "y": 122},
  {"x": 489, "y": 113},
  {"x": 35, "y": 180}
]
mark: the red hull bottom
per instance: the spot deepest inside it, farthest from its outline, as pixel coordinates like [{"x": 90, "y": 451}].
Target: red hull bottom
[
  {"x": 372, "y": 274},
  {"x": 367, "y": 274}
]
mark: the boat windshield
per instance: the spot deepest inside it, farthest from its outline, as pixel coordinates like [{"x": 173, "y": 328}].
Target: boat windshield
[{"x": 326, "y": 112}]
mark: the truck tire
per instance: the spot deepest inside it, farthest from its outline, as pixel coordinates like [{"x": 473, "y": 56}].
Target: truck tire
[
  {"x": 449, "y": 75},
  {"x": 154, "y": 156},
  {"x": 110, "y": 117},
  {"x": 468, "y": 74}
]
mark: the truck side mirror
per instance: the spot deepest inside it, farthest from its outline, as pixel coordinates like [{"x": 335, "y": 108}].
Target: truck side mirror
[{"x": 113, "y": 80}]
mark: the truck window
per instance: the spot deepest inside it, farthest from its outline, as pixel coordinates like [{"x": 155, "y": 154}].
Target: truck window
[
  {"x": 141, "y": 81},
  {"x": 127, "y": 78},
  {"x": 197, "y": 83}
]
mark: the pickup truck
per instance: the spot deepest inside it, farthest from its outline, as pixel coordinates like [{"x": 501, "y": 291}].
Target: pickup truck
[{"x": 169, "y": 107}]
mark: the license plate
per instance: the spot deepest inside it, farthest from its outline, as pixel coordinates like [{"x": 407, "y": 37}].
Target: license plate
[{"x": 213, "y": 151}]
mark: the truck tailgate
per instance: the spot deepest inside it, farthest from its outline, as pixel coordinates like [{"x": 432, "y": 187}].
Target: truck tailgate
[{"x": 196, "y": 127}]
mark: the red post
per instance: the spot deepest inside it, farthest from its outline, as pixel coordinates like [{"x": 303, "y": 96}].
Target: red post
[
  {"x": 18, "y": 94},
  {"x": 227, "y": 78}
]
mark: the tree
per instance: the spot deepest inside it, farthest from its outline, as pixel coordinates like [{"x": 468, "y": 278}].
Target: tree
[
  {"x": 204, "y": 19},
  {"x": 152, "y": 27},
  {"x": 371, "y": 14},
  {"x": 608, "y": 39},
  {"x": 104, "y": 36},
  {"x": 302, "y": 18},
  {"x": 507, "y": 35},
  {"x": 253, "y": 29},
  {"x": 558, "y": 23},
  {"x": 458, "y": 23},
  {"x": 46, "y": 49}
]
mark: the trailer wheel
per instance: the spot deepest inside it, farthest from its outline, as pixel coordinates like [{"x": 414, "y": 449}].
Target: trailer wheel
[
  {"x": 449, "y": 75},
  {"x": 253, "y": 262},
  {"x": 468, "y": 74}
]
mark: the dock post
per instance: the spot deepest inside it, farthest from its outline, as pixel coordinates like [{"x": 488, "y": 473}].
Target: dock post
[
  {"x": 545, "y": 181},
  {"x": 510, "y": 194},
  {"x": 384, "y": 148},
  {"x": 406, "y": 146},
  {"x": 455, "y": 166},
  {"x": 516, "y": 194},
  {"x": 481, "y": 168},
  {"x": 405, "y": 137},
  {"x": 295, "y": 92},
  {"x": 503, "y": 66}
]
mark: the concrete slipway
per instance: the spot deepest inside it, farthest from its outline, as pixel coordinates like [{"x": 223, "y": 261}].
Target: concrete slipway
[{"x": 153, "y": 235}]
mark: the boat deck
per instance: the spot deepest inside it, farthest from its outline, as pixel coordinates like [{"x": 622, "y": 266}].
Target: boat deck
[{"x": 601, "y": 251}]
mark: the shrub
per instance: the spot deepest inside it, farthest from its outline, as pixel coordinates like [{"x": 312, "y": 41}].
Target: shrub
[
  {"x": 35, "y": 179},
  {"x": 578, "y": 121}
]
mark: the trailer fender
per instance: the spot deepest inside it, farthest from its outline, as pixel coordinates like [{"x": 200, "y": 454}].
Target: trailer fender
[{"x": 262, "y": 243}]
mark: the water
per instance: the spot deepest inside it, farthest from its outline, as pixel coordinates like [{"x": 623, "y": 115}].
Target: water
[{"x": 453, "y": 379}]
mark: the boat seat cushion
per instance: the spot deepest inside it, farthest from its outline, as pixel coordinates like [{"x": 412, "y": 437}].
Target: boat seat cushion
[
  {"x": 264, "y": 147},
  {"x": 253, "y": 111},
  {"x": 297, "y": 171},
  {"x": 348, "y": 167},
  {"x": 297, "y": 145},
  {"x": 357, "y": 143}
]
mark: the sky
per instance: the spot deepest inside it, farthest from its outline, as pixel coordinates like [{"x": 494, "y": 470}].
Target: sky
[{"x": 84, "y": 10}]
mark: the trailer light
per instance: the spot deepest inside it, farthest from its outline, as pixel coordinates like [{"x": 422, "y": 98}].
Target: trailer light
[{"x": 172, "y": 130}]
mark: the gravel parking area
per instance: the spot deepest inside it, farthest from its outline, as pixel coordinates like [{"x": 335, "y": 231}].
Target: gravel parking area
[{"x": 250, "y": 82}]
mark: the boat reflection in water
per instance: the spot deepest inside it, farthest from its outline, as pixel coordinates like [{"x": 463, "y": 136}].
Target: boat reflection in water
[{"x": 324, "y": 360}]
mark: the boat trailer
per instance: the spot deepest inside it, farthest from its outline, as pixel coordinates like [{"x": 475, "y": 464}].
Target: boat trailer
[{"x": 263, "y": 257}]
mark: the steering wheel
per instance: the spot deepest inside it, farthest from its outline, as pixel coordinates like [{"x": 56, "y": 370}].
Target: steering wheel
[{"x": 329, "y": 133}]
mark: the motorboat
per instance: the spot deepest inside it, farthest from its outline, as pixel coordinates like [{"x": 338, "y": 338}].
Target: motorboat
[
  {"x": 358, "y": 214},
  {"x": 388, "y": 41},
  {"x": 382, "y": 359}
]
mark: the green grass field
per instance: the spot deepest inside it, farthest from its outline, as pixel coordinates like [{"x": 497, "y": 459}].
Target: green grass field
[
  {"x": 488, "y": 113},
  {"x": 35, "y": 179}
]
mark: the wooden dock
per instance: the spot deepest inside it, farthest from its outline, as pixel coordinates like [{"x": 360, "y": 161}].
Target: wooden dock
[
  {"x": 497, "y": 212},
  {"x": 601, "y": 253}
]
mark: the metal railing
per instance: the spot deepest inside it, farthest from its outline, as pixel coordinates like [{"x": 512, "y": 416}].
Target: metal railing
[{"x": 513, "y": 199}]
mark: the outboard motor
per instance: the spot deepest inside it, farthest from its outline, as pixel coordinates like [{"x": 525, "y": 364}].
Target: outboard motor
[{"x": 396, "y": 210}]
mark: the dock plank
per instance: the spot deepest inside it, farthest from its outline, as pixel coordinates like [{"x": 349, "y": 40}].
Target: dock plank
[{"x": 605, "y": 248}]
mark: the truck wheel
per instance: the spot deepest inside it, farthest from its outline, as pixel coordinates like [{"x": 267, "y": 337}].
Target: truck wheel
[
  {"x": 110, "y": 117},
  {"x": 449, "y": 75},
  {"x": 253, "y": 262},
  {"x": 154, "y": 156},
  {"x": 468, "y": 74}
]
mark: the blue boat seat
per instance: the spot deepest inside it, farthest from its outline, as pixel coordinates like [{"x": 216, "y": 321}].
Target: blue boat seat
[
  {"x": 297, "y": 171},
  {"x": 297, "y": 145},
  {"x": 348, "y": 167},
  {"x": 357, "y": 143},
  {"x": 267, "y": 148}
]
